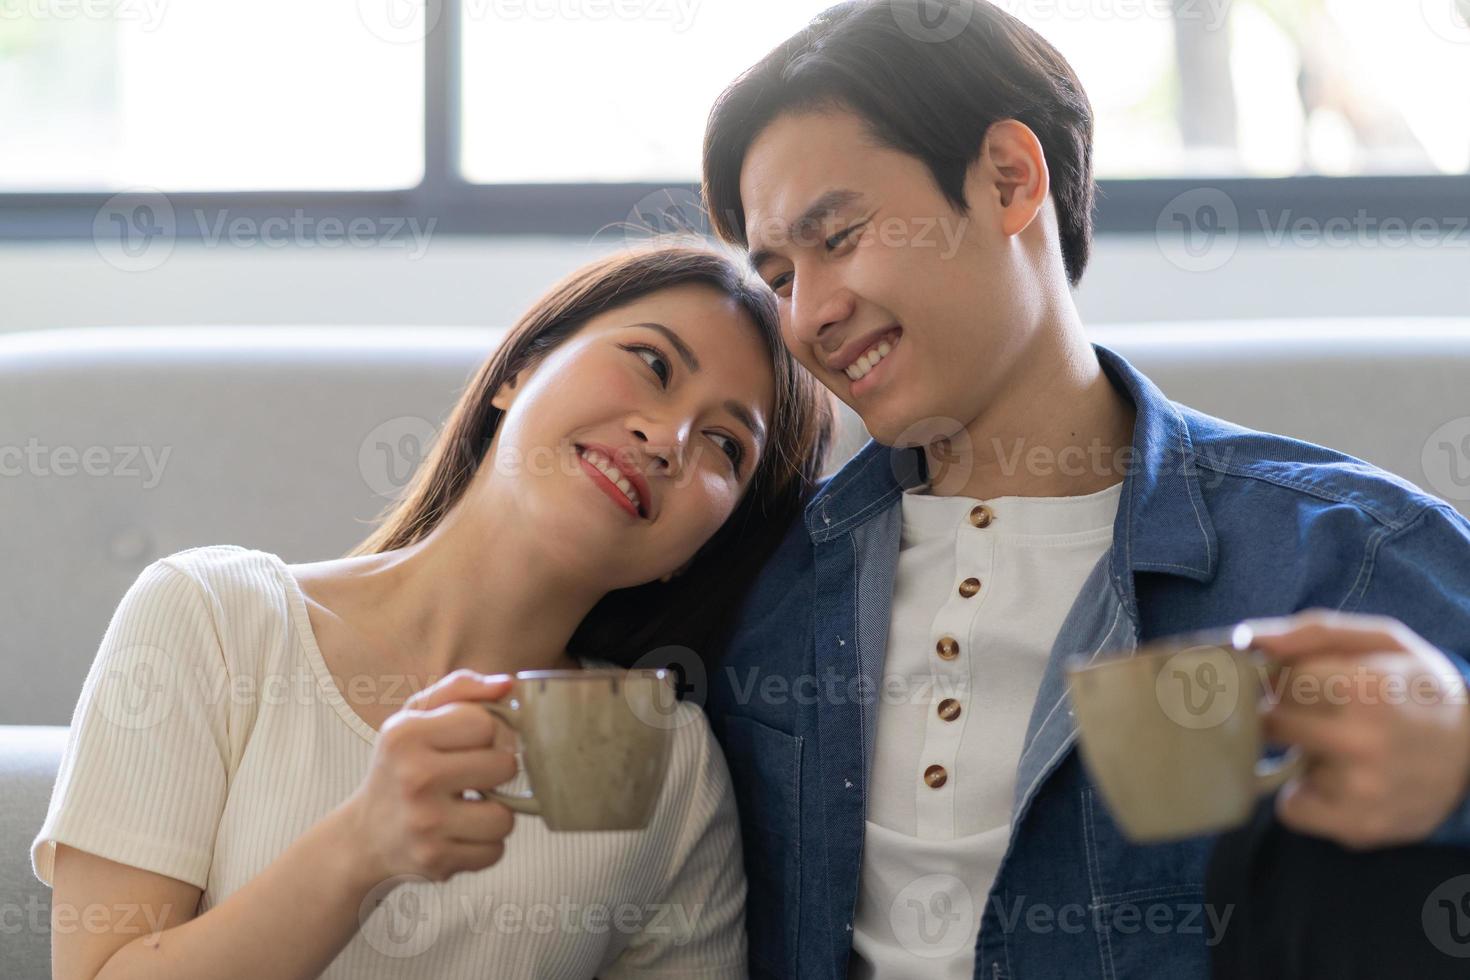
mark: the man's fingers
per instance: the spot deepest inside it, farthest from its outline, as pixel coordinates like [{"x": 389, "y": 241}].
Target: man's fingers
[
  {"x": 1315, "y": 732},
  {"x": 1320, "y": 631},
  {"x": 1305, "y": 808}
]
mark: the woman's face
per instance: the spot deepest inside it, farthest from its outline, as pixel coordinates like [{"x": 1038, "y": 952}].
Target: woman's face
[{"x": 674, "y": 394}]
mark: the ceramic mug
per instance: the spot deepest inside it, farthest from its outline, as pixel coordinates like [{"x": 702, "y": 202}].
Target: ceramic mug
[
  {"x": 1172, "y": 734},
  {"x": 595, "y": 745}
]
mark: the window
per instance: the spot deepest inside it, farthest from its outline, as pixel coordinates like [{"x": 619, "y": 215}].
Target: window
[
  {"x": 205, "y": 95},
  {"x": 558, "y": 116}
]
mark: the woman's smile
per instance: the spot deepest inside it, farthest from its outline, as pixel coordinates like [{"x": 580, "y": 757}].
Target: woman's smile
[{"x": 615, "y": 485}]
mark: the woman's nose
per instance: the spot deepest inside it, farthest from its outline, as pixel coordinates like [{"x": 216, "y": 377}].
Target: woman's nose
[{"x": 662, "y": 445}]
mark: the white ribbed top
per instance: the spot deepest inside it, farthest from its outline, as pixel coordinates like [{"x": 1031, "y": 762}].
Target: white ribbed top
[{"x": 209, "y": 735}]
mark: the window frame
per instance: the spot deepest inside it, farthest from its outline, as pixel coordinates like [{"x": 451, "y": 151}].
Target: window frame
[{"x": 459, "y": 207}]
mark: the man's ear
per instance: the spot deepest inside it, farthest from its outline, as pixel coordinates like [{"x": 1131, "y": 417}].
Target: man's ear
[
  {"x": 503, "y": 398},
  {"x": 1011, "y": 172}
]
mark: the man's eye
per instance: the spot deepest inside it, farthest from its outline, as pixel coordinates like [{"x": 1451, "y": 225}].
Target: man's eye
[
  {"x": 780, "y": 281},
  {"x": 653, "y": 356},
  {"x": 836, "y": 240}
]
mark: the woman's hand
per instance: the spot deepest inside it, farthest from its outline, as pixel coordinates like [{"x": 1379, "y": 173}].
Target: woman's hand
[{"x": 409, "y": 813}]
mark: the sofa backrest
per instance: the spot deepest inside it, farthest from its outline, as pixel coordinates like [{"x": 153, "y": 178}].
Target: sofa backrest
[{"x": 120, "y": 446}]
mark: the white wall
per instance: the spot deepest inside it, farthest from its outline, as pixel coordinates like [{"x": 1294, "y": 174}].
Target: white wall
[{"x": 485, "y": 280}]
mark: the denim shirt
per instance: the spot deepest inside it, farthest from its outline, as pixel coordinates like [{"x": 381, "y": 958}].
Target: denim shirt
[{"x": 1216, "y": 523}]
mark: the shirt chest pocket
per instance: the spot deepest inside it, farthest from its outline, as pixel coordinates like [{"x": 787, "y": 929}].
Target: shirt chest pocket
[{"x": 765, "y": 767}]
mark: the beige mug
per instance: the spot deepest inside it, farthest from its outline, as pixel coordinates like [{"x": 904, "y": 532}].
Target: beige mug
[
  {"x": 1172, "y": 734},
  {"x": 594, "y": 745}
]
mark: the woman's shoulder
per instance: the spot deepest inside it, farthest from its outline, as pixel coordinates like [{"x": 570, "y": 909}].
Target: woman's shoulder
[
  {"x": 238, "y": 593},
  {"x": 225, "y": 570}
]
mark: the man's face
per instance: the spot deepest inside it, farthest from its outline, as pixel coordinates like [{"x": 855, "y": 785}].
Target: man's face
[{"x": 884, "y": 263}]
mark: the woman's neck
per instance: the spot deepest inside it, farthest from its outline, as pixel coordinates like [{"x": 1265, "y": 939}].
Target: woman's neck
[{"x": 453, "y": 600}]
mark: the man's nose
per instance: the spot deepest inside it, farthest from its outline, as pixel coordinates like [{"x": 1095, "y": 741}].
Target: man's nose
[{"x": 815, "y": 312}]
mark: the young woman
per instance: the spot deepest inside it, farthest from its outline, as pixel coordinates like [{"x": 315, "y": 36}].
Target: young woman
[{"x": 268, "y": 773}]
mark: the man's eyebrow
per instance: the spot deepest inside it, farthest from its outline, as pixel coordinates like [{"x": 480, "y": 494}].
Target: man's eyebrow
[
  {"x": 825, "y": 206},
  {"x": 685, "y": 353},
  {"x": 743, "y": 416}
]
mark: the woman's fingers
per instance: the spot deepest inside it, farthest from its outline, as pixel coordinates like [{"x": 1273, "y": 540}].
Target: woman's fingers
[
  {"x": 480, "y": 769},
  {"x": 461, "y": 685},
  {"x": 478, "y": 821},
  {"x": 449, "y": 727},
  {"x": 472, "y": 857}
]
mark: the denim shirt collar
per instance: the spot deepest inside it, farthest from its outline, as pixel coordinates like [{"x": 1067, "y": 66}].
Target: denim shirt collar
[{"x": 1162, "y": 524}]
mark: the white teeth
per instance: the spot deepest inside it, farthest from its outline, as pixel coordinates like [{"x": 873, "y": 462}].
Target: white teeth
[
  {"x": 607, "y": 469},
  {"x": 858, "y": 369}
]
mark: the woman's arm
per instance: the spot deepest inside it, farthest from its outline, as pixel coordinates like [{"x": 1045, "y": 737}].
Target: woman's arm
[{"x": 111, "y": 921}]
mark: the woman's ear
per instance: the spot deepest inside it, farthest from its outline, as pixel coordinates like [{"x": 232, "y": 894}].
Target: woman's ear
[{"x": 503, "y": 398}]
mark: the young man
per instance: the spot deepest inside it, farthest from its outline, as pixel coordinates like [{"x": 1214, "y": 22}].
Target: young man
[{"x": 914, "y": 181}]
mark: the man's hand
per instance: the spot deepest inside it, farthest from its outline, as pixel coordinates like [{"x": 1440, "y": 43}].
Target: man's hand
[{"x": 1382, "y": 717}]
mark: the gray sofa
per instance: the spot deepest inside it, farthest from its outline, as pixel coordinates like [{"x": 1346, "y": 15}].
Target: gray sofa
[{"x": 120, "y": 446}]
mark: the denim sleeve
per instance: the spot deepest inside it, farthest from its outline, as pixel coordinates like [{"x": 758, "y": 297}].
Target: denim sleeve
[{"x": 1421, "y": 576}]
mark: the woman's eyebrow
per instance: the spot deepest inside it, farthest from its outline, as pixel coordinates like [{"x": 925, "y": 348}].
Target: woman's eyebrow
[
  {"x": 739, "y": 411},
  {"x": 743, "y": 416},
  {"x": 682, "y": 348}
]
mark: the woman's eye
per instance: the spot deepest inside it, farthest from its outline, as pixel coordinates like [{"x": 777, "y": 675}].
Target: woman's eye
[
  {"x": 652, "y": 357},
  {"x": 732, "y": 448}
]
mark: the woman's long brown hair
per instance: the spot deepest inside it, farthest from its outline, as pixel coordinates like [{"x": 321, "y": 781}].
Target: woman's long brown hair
[{"x": 695, "y": 610}]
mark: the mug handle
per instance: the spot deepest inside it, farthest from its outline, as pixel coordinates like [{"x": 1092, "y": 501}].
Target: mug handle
[
  {"x": 519, "y": 802},
  {"x": 1272, "y": 775}
]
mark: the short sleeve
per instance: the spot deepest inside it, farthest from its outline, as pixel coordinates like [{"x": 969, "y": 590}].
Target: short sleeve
[
  {"x": 143, "y": 778},
  {"x": 698, "y": 931}
]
